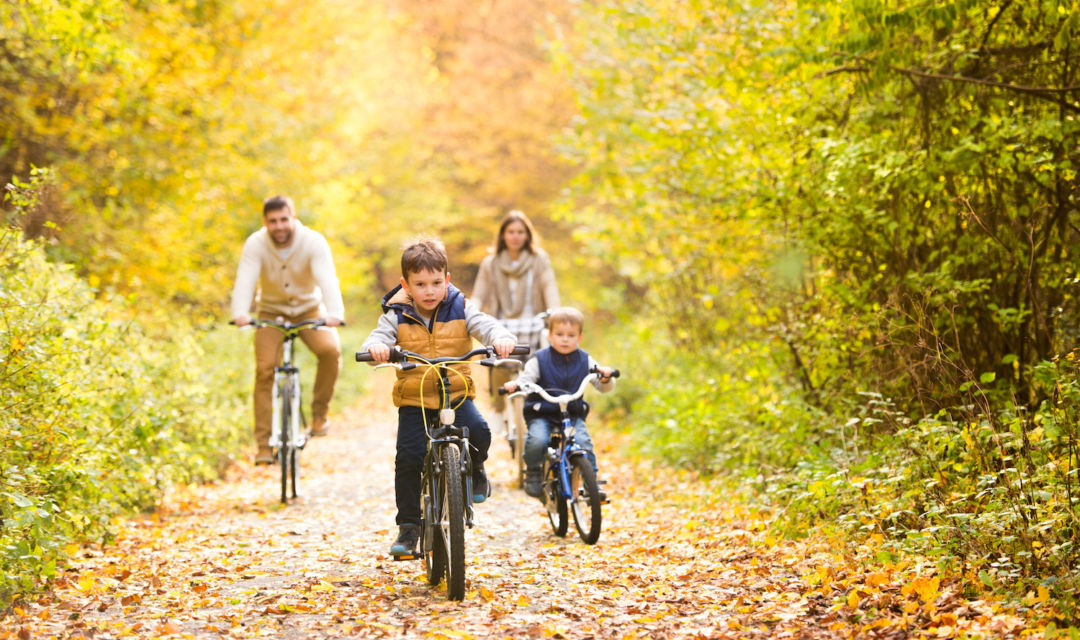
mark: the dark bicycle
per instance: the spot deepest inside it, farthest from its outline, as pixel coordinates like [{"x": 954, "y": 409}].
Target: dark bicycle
[
  {"x": 446, "y": 477},
  {"x": 289, "y": 431},
  {"x": 568, "y": 476}
]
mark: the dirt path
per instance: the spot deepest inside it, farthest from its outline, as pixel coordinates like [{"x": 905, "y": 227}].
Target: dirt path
[{"x": 226, "y": 561}]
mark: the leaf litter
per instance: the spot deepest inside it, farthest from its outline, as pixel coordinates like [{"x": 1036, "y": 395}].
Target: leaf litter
[{"x": 674, "y": 560}]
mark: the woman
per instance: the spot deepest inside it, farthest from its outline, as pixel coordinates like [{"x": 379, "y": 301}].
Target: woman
[{"x": 514, "y": 284}]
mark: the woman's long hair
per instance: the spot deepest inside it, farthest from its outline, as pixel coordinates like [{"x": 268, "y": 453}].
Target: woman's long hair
[{"x": 532, "y": 239}]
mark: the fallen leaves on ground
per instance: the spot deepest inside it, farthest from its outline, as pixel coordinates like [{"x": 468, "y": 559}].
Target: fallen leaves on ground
[{"x": 674, "y": 561}]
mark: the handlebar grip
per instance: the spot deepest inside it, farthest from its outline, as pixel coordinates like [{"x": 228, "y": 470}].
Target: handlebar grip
[
  {"x": 520, "y": 350},
  {"x": 615, "y": 373},
  {"x": 502, "y": 391},
  {"x": 364, "y": 356}
]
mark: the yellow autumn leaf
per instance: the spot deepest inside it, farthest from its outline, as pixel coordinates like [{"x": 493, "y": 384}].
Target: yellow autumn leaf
[
  {"x": 85, "y": 584},
  {"x": 853, "y": 599},
  {"x": 925, "y": 588},
  {"x": 487, "y": 594},
  {"x": 523, "y": 601},
  {"x": 876, "y": 579}
]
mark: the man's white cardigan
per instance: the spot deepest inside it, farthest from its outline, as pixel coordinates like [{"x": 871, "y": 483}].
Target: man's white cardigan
[{"x": 303, "y": 281}]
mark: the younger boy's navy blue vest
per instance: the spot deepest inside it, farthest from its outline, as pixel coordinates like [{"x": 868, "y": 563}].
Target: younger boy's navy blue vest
[{"x": 558, "y": 374}]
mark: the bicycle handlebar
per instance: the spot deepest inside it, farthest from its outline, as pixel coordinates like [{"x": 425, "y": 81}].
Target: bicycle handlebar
[
  {"x": 526, "y": 388},
  {"x": 287, "y": 326},
  {"x": 401, "y": 356}
]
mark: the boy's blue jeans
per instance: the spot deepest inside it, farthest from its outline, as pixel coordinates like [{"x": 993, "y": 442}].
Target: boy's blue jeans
[
  {"x": 539, "y": 435},
  {"x": 412, "y": 447}
]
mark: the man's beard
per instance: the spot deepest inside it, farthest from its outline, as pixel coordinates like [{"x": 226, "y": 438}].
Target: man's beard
[{"x": 285, "y": 238}]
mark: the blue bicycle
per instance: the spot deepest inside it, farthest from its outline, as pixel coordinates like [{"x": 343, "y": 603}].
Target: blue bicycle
[{"x": 568, "y": 476}]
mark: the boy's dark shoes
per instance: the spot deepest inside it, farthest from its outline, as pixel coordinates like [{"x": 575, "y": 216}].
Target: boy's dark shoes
[
  {"x": 481, "y": 489},
  {"x": 405, "y": 545},
  {"x": 533, "y": 486}
]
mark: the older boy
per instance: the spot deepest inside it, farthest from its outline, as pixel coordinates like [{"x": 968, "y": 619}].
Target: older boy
[
  {"x": 561, "y": 366},
  {"x": 425, "y": 314}
]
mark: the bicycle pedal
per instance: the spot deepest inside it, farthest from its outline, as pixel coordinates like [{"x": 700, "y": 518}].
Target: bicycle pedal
[{"x": 400, "y": 558}]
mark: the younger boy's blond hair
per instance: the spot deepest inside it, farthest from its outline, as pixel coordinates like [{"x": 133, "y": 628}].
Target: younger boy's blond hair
[{"x": 569, "y": 315}]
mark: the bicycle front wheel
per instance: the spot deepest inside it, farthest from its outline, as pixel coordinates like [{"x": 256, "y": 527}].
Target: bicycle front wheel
[
  {"x": 555, "y": 502},
  {"x": 585, "y": 499},
  {"x": 286, "y": 443},
  {"x": 452, "y": 522}
]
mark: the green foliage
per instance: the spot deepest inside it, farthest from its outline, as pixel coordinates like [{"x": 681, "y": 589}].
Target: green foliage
[
  {"x": 850, "y": 232},
  {"x": 104, "y": 408}
]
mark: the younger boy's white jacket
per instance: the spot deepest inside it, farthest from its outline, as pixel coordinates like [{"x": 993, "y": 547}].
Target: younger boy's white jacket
[{"x": 303, "y": 281}]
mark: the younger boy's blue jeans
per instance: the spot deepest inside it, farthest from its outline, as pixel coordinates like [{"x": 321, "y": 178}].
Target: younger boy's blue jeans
[
  {"x": 539, "y": 435},
  {"x": 412, "y": 447}
]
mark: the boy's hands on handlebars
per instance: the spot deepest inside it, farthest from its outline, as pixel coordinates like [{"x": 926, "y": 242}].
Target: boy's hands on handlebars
[
  {"x": 503, "y": 346},
  {"x": 511, "y": 386},
  {"x": 241, "y": 321},
  {"x": 379, "y": 352},
  {"x": 605, "y": 373}
]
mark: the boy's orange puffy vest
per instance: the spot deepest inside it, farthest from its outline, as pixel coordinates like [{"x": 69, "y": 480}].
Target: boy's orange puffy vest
[{"x": 447, "y": 336}]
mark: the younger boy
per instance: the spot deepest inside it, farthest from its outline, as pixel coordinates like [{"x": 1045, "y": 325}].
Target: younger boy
[
  {"x": 558, "y": 368},
  {"x": 425, "y": 314}
]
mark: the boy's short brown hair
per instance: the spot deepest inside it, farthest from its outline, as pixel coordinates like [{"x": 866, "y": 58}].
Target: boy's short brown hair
[
  {"x": 569, "y": 315},
  {"x": 423, "y": 254}
]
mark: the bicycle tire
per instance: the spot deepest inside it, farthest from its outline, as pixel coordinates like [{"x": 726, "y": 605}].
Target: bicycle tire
[
  {"x": 294, "y": 450},
  {"x": 294, "y": 469},
  {"x": 585, "y": 499},
  {"x": 453, "y": 527},
  {"x": 283, "y": 451},
  {"x": 520, "y": 432},
  {"x": 432, "y": 543},
  {"x": 555, "y": 502}
]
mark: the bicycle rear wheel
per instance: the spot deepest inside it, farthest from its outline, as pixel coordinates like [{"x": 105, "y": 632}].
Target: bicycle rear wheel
[
  {"x": 452, "y": 522},
  {"x": 555, "y": 502},
  {"x": 294, "y": 468},
  {"x": 585, "y": 499}
]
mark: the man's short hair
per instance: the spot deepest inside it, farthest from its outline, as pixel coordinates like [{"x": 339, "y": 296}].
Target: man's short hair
[
  {"x": 569, "y": 315},
  {"x": 423, "y": 254},
  {"x": 276, "y": 203}
]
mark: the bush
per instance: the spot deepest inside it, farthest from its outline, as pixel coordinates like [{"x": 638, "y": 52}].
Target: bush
[{"x": 103, "y": 409}]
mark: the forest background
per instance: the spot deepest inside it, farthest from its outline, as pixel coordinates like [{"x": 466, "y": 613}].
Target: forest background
[{"x": 833, "y": 243}]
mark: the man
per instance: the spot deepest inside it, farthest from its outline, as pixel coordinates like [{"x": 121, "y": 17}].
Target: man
[{"x": 294, "y": 271}]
